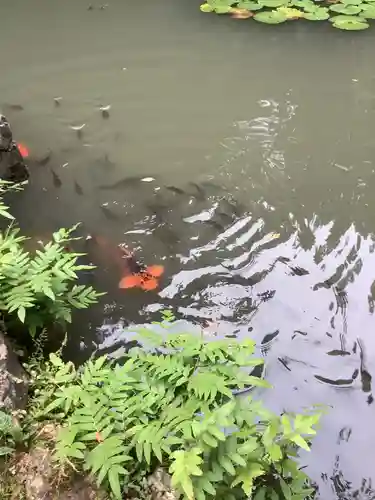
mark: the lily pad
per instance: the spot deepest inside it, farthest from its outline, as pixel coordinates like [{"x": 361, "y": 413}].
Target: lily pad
[
  {"x": 249, "y": 5},
  {"x": 206, "y": 7},
  {"x": 222, "y": 9},
  {"x": 303, "y": 4},
  {"x": 349, "y": 23},
  {"x": 368, "y": 11},
  {"x": 319, "y": 14},
  {"x": 270, "y": 17},
  {"x": 273, "y": 3},
  {"x": 351, "y": 2},
  {"x": 290, "y": 13},
  {"x": 350, "y": 10}
]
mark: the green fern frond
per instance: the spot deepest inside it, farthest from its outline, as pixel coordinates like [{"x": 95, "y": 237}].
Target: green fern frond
[{"x": 176, "y": 407}]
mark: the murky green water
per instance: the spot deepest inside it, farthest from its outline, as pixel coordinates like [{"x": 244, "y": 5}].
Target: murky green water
[{"x": 268, "y": 135}]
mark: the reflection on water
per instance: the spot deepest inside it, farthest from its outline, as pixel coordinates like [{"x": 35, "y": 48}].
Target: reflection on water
[
  {"x": 307, "y": 297},
  {"x": 258, "y": 152}
]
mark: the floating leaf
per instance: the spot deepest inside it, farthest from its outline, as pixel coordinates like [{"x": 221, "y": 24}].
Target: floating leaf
[
  {"x": 222, "y": 9},
  {"x": 351, "y": 2},
  {"x": 270, "y": 17},
  {"x": 349, "y": 23},
  {"x": 241, "y": 13},
  {"x": 289, "y": 13},
  {"x": 303, "y": 4},
  {"x": 206, "y": 7},
  {"x": 350, "y": 10},
  {"x": 368, "y": 11},
  {"x": 249, "y": 5},
  {"x": 319, "y": 14},
  {"x": 273, "y": 3}
]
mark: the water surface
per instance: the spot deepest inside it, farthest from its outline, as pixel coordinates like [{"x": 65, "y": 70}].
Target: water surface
[{"x": 265, "y": 135}]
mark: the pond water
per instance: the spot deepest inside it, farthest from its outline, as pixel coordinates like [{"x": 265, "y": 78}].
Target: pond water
[{"x": 260, "y": 144}]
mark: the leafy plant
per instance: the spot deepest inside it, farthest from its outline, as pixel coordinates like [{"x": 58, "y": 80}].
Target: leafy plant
[
  {"x": 39, "y": 289},
  {"x": 10, "y": 434},
  {"x": 270, "y": 17},
  {"x": 182, "y": 403}
]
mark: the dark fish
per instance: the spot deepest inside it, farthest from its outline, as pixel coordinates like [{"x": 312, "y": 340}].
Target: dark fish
[
  {"x": 175, "y": 190},
  {"x": 212, "y": 185},
  {"x": 14, "y": 107},
  {"x": 105, "y": 163},
  {"x": 234, "y": 207},
  {"x": 228, "y": 218},
  {"x": 128, "y": 181},
  {"x": 200, "y": 193},
  {"x": 77, "y": 188},
  {"x": 44, "y": 159},
  {"x": 105, "y": 110},
  {"x": 215, "y": 224},
  {"x": 338, "y": 352},
  {"x": 108, "y": 213},
  {"x": 56, "y": 179}
]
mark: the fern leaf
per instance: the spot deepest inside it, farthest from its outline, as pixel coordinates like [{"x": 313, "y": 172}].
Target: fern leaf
[
  {"x": 206, "y": 385},
  {"x": 185, "y": 464},
  {"x": 114, "y": 480},
  {"x": 247, "y": 475}
]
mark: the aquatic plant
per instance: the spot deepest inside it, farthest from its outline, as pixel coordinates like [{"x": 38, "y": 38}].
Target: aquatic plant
[
  {"x": 39, "y": 289},
  {"x": 183, "y": 404},
  {"x": 349, "y": 15}
]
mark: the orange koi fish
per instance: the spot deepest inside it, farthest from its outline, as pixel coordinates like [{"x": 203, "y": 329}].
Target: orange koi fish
[
  {"x": 23, "y": 150},
  {"x": 133, "y": 274}
]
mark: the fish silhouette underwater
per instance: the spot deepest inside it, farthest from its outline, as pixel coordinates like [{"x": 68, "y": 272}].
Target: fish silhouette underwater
[{"x": 133, "y": 274}]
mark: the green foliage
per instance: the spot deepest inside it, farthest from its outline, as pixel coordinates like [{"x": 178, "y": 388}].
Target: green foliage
[
  {"x": 270, "y": 17},
  {"x": 182, "y": 403},
  {"x": 354, "y": 14},
  {"x": 10, "y": 434},
  {"x": 38, "y": 289}
]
